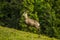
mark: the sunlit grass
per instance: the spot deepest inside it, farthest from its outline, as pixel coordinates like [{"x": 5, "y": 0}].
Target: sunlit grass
[{"x": 13, "y": 34}]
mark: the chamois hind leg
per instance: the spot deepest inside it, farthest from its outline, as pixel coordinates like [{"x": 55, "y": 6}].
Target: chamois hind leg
[{"x": 38, "y": 32}]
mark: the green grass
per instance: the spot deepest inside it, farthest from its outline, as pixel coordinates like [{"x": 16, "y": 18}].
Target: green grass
[{"x": 13, "y": 34}]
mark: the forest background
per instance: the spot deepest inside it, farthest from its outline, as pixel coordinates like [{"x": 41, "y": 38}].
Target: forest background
[{"x": 47, "y": 12}]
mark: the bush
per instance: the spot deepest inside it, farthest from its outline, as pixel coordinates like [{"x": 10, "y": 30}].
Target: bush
[{"x": 47, "y": 12}]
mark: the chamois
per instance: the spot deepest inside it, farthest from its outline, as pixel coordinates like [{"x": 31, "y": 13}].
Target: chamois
[{"x": 31, "y": 21}]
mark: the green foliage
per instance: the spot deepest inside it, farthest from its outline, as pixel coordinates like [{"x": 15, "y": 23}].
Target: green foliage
[{"x": 46, "y": 12}]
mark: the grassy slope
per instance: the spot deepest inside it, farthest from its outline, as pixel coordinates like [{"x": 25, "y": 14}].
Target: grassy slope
[{"x": 13, "y": 34}]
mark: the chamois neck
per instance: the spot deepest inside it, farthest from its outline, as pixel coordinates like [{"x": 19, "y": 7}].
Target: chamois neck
[{"x": 26, "y": 17}]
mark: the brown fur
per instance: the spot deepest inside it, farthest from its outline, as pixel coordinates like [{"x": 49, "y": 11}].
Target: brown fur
[{"x": 31, "y": 21}]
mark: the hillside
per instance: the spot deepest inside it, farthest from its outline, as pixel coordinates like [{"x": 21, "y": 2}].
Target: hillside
[{"x": 13, "y": 34}]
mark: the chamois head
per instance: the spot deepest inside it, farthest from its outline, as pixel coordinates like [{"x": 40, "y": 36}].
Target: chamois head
[{"x": 25, "y": 14}]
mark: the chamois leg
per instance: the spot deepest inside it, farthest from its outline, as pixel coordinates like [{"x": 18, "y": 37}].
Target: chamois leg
[
  {"x": 28, "y": 28},
  {"x": 38, "y": 32}
]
